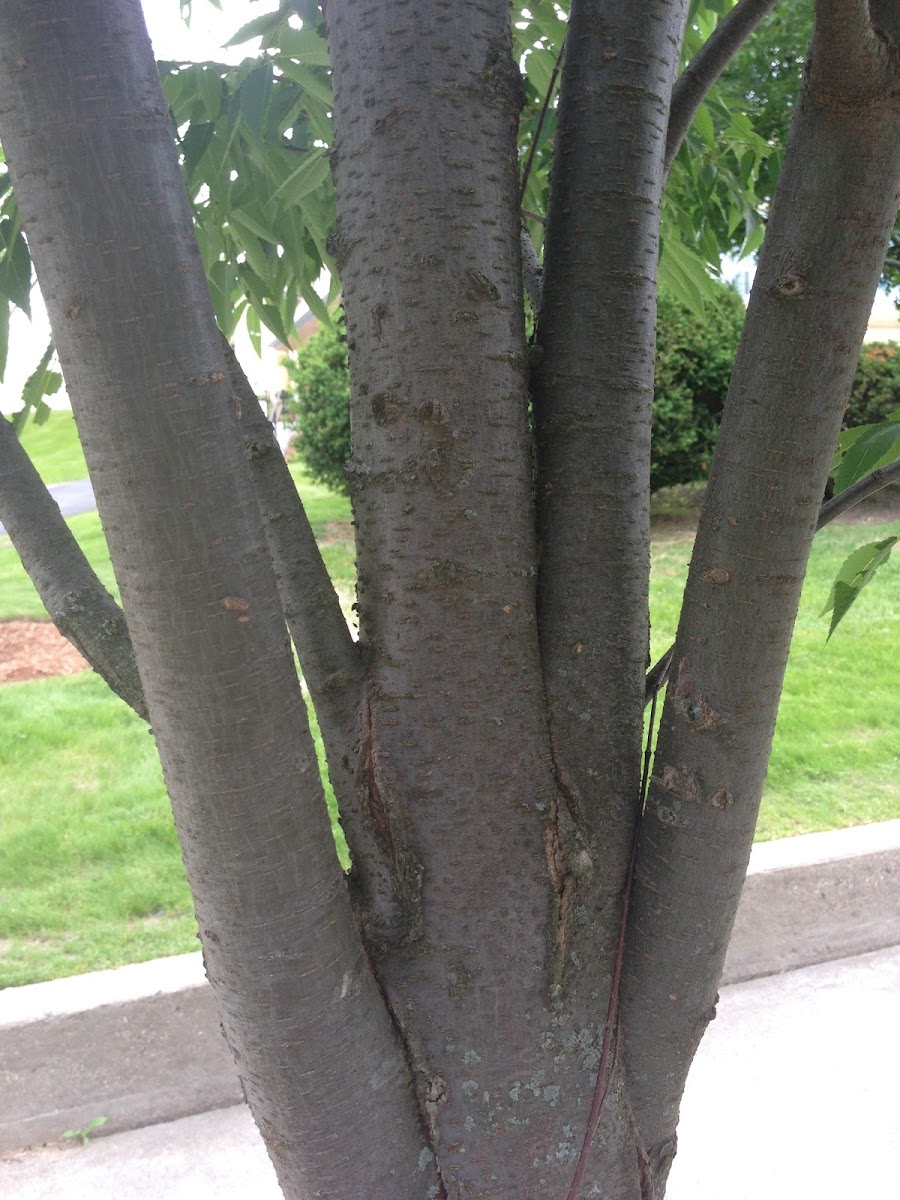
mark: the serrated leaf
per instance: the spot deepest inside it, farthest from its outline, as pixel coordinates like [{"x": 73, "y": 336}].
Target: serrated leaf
[
  {"x": 248, "y": 221},
  {"x": 539, "y": 66},
  {"x": 263, "y": 26},
  {"x": 253, "y": 331},
  {"x": 316, "y": 304},
  {"x": 40, "y": 383},
  {"x": 857, "y": 570},
  {"x": 873, "y": 446},
  {"x": 211, "y": 89},
  {"x": 194, "y": 145},
  {"x": 549, "y": 23},
  {"x": 303, "y": 45}
]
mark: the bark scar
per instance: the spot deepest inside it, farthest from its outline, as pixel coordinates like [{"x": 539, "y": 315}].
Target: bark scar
[
  {"x": 568, "y": 861},
  {"x": 689, "y": 702}
]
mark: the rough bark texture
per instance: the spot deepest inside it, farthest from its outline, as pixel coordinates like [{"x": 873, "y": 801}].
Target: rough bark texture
[
  {"x": 436, "y": 1033},
  {"x": 593, "y": 390},
  {"x": 82, "y": 116},
  {"x": 825, "y": 244},
  {"x": 503, "y": 1021},
  {"x": 74, "y": 597}
]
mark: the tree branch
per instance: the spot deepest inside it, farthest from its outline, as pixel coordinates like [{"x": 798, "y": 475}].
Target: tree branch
[
  {"x": 332, "y": 663},
  {"x": 658, "y": 675},
  {"x": 861, "y": 490},
  {"x": 852, "y": 63},
  {"x": 834, "y": 209},
  {"x": 79, "y": 604},
  {"x": 593, "y": 391},
  {"x": 701, "y": 73}
]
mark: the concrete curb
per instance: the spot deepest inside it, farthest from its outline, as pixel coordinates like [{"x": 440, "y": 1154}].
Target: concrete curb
[{"x": 141, "y": 1044}]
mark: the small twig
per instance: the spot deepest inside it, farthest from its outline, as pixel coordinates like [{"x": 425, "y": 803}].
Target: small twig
[
  {"x": 701, "y": 73},
  {"x": 867, "y": 486},
  {"x": 604, "y": 1075},
  {"x": 530, "y": 216},
  {"x": 657, "y": 676},
  {"x": 532, "y": 149}
]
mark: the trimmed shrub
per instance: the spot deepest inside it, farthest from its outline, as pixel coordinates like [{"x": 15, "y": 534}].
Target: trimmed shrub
[
  {"x": 318, "y": 406},
  {"x": 876, "y": 386},
  {"x": 694, "y": 360}
]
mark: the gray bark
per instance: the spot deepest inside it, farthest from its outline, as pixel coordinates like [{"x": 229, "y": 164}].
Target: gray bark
[
  {"x": 825, "y": 244},
  {"x": 593, "y": 390},
  {"x": 82, "y": 116},
  {"x": 502, "y": 1017},
  {"x": 436, "y": 1032}
]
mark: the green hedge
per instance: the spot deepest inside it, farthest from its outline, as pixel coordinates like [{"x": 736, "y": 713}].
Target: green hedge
[
  {"x": 318, "y": 406},
  {"x": 693, "y": 368},
  {"x": 876, "y": 387},
  {"x": 694, "y": 360}
]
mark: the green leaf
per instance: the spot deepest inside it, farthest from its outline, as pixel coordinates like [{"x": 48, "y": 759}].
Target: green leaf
[
  {"x": 248, "y": 221},
  {"x": 685, "y": 274},
  {"x": 223, "y": 285},
  {"x": 705, "y": 128},
  {"x": 316, "y": 304},
  {"x": 254, "y": 96},
  {"x": 15, "y": 266},
  {"x": 312, "y": 81},
  {"x": 193, "y": 146},
  {"x": 264, "y": 26},
  {"x": 869, "y": 447},
  {"x": 211, "y": 89},
  {"x": 539, "y": 69},
  {"x": 303, "y": 45},
  {"x": 42, "y": 381},
  {"x": 253, "y": 331},
  {"x": 310, "y": 173},
  {"x": 857, "y": 570}
]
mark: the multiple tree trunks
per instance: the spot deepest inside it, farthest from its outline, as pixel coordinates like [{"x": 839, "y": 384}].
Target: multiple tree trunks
[{"x": 432, "y": 1026}]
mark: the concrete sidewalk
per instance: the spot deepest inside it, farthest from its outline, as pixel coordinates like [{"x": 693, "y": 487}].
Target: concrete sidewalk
[{"x": 793, "y": 1095}]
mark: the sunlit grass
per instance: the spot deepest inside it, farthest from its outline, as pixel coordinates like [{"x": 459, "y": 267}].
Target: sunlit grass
[
  {"x": 90, "y": 871},
  {"x": 836, "y": 756},
  {"x": 54, "y": 448}
]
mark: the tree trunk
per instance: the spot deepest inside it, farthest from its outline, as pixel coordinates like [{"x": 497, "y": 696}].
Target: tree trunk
[
  {"x": 86, "y": 132},
  {"x": 825, "y": 244}
]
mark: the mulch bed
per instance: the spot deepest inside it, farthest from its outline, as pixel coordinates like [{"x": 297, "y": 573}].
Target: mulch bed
[{"x": 35, "y": 650}]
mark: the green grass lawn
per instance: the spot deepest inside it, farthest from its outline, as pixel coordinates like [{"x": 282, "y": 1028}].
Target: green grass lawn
[
  {"x": 90, "y": 873},
  {"x": 836, "y": 758},
  {"x": 55, "y": 449}
]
